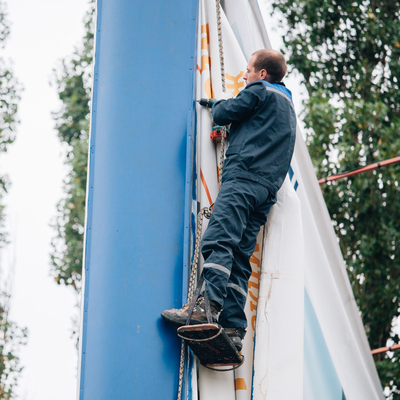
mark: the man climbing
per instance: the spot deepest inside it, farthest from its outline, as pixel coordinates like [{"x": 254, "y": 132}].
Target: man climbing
[{"x": 262, "y": 137}]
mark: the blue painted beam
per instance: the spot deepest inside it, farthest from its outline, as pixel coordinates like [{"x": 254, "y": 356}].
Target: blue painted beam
[{"x": 142, "y": 97}]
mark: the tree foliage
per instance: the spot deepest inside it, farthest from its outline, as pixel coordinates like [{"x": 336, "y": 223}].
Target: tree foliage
[
  {"x": 9, "y": 98},
  {"x": 72, "y": 123},
  {"x": 11, "y": 336},
  {"x": 348, "y": 53},
  {"x": 11, "y": 339}
]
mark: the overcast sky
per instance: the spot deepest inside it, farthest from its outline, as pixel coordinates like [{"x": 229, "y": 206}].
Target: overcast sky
[{"x": 42, "y": 33}]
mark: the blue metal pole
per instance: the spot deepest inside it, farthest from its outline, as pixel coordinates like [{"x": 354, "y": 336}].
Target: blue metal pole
[{"x": 134, "y": 250}]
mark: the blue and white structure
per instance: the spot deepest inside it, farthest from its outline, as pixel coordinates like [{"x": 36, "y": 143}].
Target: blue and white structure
[
  {"x": 151, "y": 165},
  {"x": 142, "y": 115}
]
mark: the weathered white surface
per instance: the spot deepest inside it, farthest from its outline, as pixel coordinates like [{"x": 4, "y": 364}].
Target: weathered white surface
[{"x": 278, "y": 359}]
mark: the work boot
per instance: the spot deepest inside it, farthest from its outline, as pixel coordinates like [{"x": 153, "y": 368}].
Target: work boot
[
  {"x": 236, "y": 335},
  {"x": 178, "y": 317}
]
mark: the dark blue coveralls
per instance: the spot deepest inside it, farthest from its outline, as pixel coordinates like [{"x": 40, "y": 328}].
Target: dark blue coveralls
[{"x": 262, "y": 137}]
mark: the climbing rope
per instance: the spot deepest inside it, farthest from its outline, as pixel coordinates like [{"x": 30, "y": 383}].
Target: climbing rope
[
  {"x": 204, "y": 212},
  {"x": 220, "y": 44},
  {"x": 221, "y": 158},
  {"x": 181, "y": 368},
  {"x": 222, "y": 64}
]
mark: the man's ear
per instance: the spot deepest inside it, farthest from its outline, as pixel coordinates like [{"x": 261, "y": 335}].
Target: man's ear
[{"x": 263, "y": 74}]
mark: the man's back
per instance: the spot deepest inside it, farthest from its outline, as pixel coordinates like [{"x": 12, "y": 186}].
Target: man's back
[{"x": 262, "y": 134}]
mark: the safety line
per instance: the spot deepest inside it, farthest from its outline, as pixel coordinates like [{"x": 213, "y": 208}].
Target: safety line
[
  {"x": 359, "y": 170},
  {"x": 203, "y": 180},
  {"x": 385, "y": 349}
]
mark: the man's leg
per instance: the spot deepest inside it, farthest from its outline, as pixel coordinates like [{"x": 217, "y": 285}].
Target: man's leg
[
  {"x": 233, "y": 316},
  {"x": 229, "y": 226},
  {"x": 232, "y": 208},
  {"x": 235, "y": 203}
]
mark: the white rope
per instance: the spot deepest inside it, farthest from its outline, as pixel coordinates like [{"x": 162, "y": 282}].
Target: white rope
[
  {"x": 220, "y": 44},
  {"x": 222, "y": 64},
  {"x": 204, "y": 212},
  {"x": 181, "y": 368},
  {"x": 221, "y": 158}
]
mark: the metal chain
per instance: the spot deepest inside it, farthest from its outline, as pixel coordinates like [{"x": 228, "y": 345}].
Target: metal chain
[{"x": 204, "y": 212}]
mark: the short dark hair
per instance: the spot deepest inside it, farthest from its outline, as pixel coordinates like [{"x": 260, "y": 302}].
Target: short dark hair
[{"x": 272, "y": 61}]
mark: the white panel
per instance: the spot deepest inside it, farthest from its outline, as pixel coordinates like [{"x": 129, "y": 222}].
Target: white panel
[
  {"x": 329, "y": 288},
  {"x": 278, "y": 357},
  {"x": 244, "y": 374}
]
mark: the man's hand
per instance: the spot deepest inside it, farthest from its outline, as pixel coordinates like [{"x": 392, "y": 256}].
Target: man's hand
[
  {"x": 207, "y": 102},
  {"x": 210, "y": 102}
]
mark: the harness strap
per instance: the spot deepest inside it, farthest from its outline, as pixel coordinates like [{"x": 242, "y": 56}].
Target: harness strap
[
  {"x": 208, "y": 308},
  {"x": 196, "y": 294}
]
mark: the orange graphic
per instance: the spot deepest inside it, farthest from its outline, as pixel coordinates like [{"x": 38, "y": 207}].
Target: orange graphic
[
  {"x": 208, "y": 89},
  {"x": 253, "y": 323},
  {"x": 236, "y": 85},
  {"x": 255, "y": 274},
  {"x": 240, "y": 384},
  {"x": 254, "y": 285},
  {"x": 205, "y": 60},
  {"x": 255, "y": 298},
  {"x": 255, "y": 260},
  {"x": 205, "y": 40},
  {"x": 205, "y": 187}
]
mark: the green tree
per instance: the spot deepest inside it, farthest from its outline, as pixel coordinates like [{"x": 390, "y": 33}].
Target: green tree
[
  {"x": 11, "y": 336},
  {"x": 8, "y": 109},
  {"x": 348, "y": 54},
  {"x": 72, "y": 123}
]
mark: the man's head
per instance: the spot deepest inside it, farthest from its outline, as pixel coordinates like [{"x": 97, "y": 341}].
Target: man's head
[{"x": 266, "y": 65}]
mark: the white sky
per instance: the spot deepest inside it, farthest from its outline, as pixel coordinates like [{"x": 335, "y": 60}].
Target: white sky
[{"x": 42, "y": 33}]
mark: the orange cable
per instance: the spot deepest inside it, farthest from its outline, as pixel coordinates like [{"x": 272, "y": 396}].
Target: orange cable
[
  {"x": 359, "y": 170},
  {"x": 205, "y": 186},
  {"x": 385, "y": 349}
]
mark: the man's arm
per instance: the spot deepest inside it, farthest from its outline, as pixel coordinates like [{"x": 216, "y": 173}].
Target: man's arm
[{"x": 239, "y": 108}]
